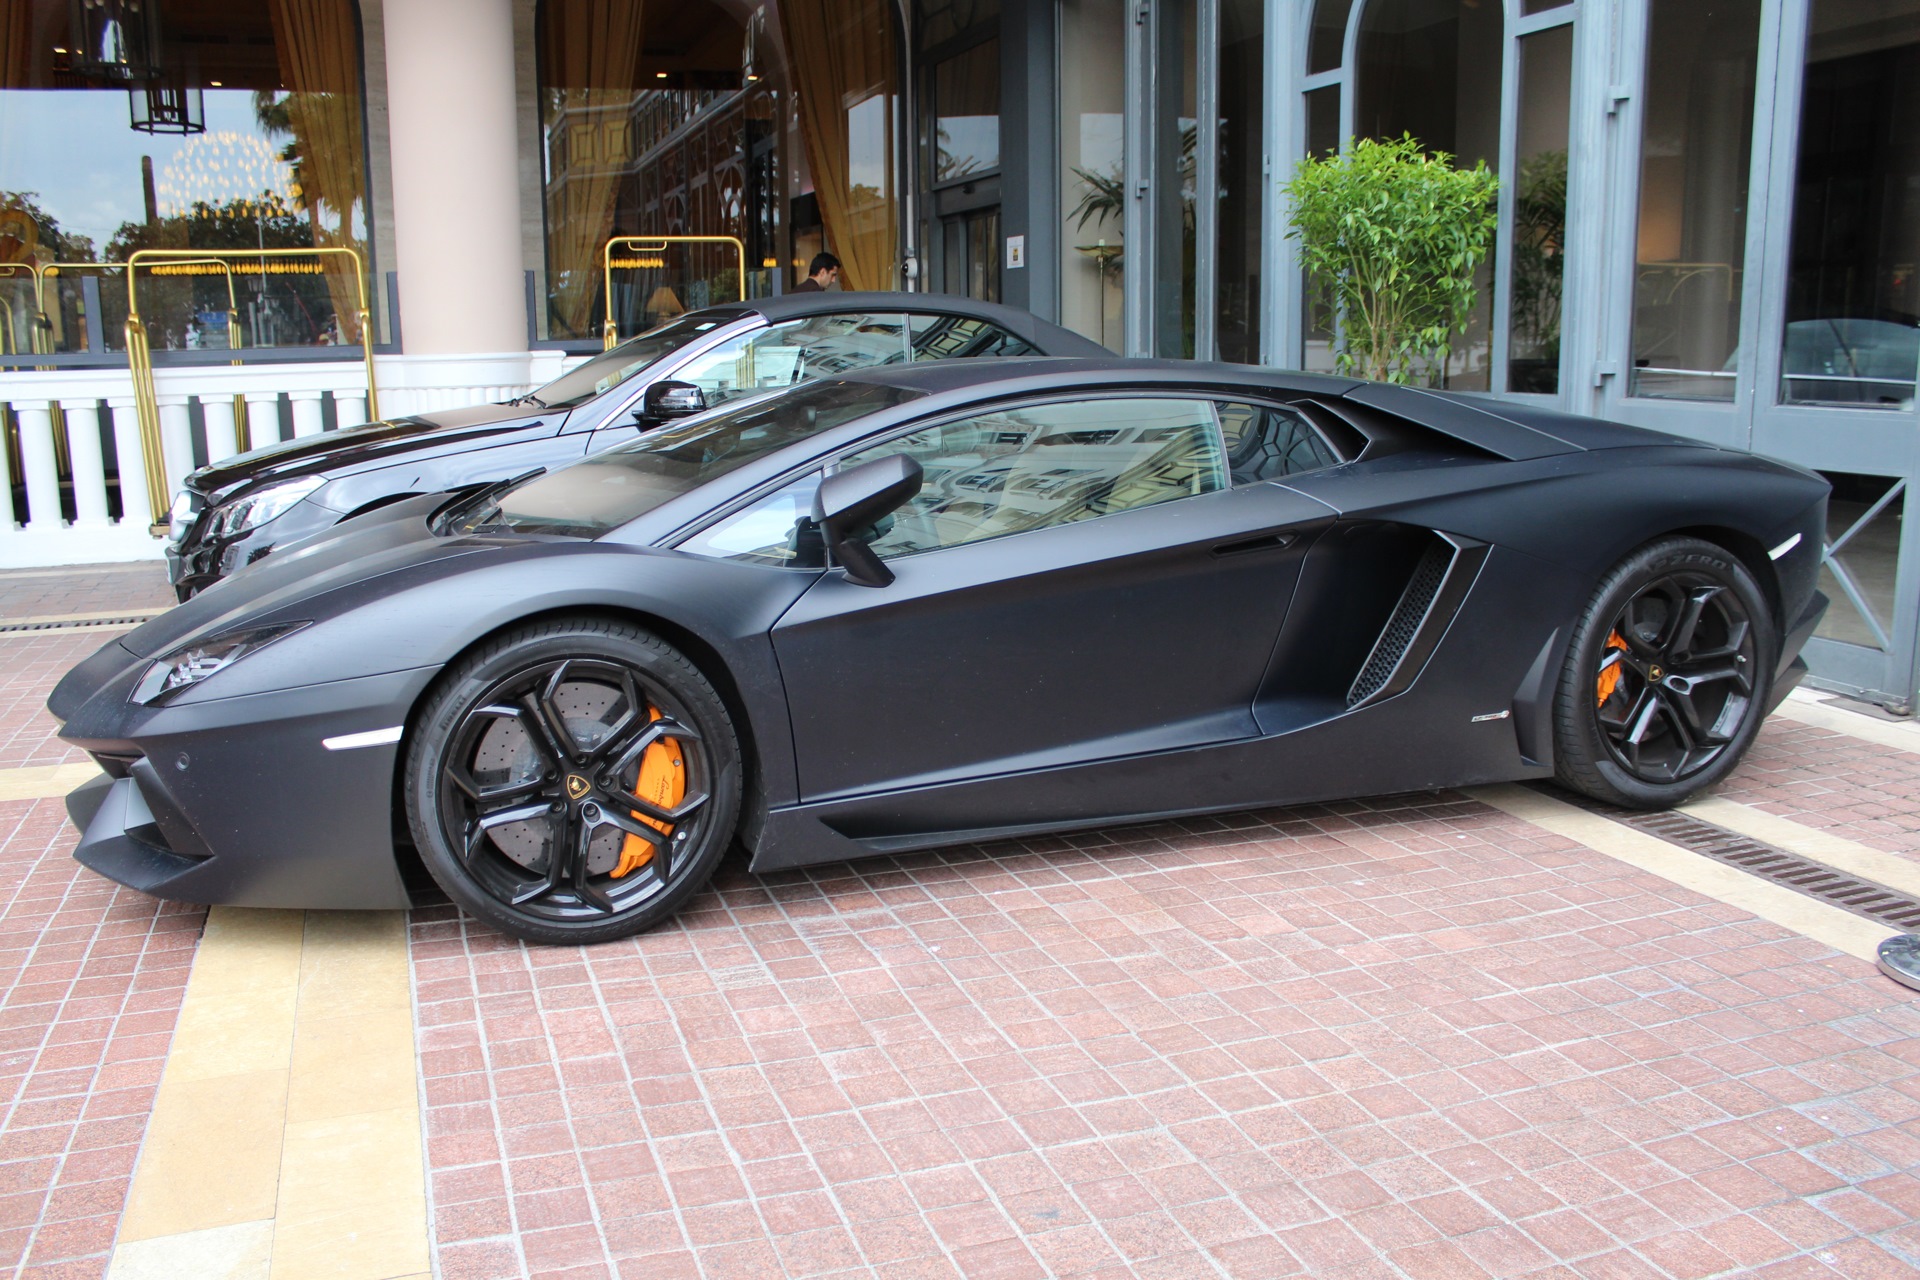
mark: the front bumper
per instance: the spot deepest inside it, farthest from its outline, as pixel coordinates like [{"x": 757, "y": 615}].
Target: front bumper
[{"x": 238, "y": 800}]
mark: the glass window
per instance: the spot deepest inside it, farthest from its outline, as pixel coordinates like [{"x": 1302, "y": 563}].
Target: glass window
[
  {"x": 1327, "y": 46},
  {"x": 625, "y": 482},
  {"x": 611, "y": 368},
  {"x": 1242, "y": 78},
  {"x": 967, "y": 114},
  {"x": 1092, "y": 173},
  {"x": 1853, "y": 296},
  {"x": 784, "y": 354},
  {"x": 1265, "y": 442},
  {"x": 1175, "y": 123},
  {"x": 185, "y": 124},
  {"x": 776, "y": 530},
  {"x": 1317, "y": 320},
  {"x": 1695, "y": 151},
  {"x": 1862, "y": 564},
  {"x": 959, "y": 337},
  {"x": 1541, "y": 6},
  {"x": 1045, "y": 465},
  {"x": 1431, "y": 68},
  {"x": 1540, "y": 211}
]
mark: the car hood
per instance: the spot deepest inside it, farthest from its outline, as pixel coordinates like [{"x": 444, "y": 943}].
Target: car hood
[
  {"x": 331, "y": 450},
  {"x": 296, "y": 582}
]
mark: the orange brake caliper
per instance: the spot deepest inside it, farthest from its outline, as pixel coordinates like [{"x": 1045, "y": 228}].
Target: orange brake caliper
[
  {"x": 1609, "y": 676},
  {"x": 663, "y": 783}
]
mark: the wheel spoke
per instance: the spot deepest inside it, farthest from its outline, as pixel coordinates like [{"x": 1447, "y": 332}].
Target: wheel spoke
[
  {"x": 1680, "y": 643},
  {"x": 688, "y": 806},
  {"x": 1681, "y": 715},
  {"x": 620, "y": 761},
  {"x": 480, "y": 794}
]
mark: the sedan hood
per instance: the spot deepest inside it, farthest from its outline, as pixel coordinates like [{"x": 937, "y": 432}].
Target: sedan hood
[
  {"x": 292, "y": 583},
  {"x": 331, "y": 450}
]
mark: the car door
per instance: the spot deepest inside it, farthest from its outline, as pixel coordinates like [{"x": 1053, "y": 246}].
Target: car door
[{"x": 1078, "y": 580}]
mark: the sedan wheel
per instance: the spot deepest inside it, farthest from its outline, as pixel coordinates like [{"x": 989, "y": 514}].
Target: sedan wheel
[
  {"x": 573, "y": 782},
  {"x": 1667, "y": 677}
]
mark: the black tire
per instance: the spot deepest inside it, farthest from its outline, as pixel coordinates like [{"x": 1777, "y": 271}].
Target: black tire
[
  {"x": 1667, "y": 677},
  {"x": 520, "y": 780}
]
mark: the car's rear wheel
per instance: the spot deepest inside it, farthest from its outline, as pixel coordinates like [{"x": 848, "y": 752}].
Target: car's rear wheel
[
  {"x": 1667, "y": 676},
  {"x": 573, "y": 781}
]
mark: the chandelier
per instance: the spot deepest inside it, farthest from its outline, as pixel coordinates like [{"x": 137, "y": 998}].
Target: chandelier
[{"x": 117, "y": 40}]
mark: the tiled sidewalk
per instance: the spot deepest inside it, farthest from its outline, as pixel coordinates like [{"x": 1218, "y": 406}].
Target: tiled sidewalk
[{"x": 1411, "y": 1037}]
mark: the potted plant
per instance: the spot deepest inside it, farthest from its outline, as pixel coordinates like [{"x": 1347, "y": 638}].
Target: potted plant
[{"x": 1393, "y": 235}]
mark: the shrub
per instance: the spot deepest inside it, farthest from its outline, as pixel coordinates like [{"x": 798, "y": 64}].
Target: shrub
[{"x": 1394, "y": 235}]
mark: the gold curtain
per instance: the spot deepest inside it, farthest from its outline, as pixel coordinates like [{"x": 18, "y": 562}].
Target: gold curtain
[
  {"x": 319, "y": 52},
  {"x": 592, "y": 49},
  {"x": 842, "y": 55}
]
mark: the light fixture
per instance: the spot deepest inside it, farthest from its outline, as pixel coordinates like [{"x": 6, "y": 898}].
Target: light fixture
[
  {"x": 167, "y": 108},
  {"x": 116, "y": 40},
  {"x": 215, "y": 84},
  {"x": 659, "y": 75}
]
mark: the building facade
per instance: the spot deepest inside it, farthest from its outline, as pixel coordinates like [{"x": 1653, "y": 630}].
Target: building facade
[{"x": 1709, "y": 210}]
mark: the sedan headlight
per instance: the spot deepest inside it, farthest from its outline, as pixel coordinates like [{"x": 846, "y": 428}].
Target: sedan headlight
[
  {"x": 180, "y": 517},
  {"x": 190, "y": 665},
  {"x": 259, "y": 508}
]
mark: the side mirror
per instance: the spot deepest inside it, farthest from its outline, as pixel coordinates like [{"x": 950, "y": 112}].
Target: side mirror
[
  {"x": 666, "y": 400},
  {"x": 850, "y": 503}
]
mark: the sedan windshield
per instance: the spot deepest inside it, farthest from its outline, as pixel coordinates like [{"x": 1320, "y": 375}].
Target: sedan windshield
[
  {"x": 607, "y": 490},
  {"x": 611, "y": 368}
]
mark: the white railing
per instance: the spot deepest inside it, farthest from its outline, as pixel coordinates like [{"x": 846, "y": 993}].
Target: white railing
[{"x": 100, "y": 442}]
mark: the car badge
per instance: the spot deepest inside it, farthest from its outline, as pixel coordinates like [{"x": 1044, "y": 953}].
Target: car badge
[
  {"x": 1655, "y": 673},
  {"x": 577, "y": 786}
]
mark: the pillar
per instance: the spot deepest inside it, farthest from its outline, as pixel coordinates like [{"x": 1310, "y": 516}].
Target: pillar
[
  {"x": 89, "y": 468},
  {"x": 37, "y": 460},
  {"x": 132, "y": 464},
  {"x": 309, "y": 419},
  {"x": 453, "y": 136}
]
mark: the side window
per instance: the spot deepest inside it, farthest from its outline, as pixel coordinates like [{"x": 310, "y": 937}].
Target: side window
[
  {"x": 775, "y": 530},
  {"x": 963, "y": 337},
  {"x": 1265, "y": 443},
  {"x": 1042, "y": 465},
  {"x": 781, "y": 355}
]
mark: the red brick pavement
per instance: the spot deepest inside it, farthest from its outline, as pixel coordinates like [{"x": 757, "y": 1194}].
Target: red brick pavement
[
  {"x": 1401, "y": 1038},
  {"x": 1851, "y": 787}
]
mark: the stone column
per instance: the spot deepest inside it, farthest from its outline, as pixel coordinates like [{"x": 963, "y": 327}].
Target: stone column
[
  {"x": 176, "y": 440},
  {"x": 37, "y": 460},
  {"x": 89, "y": 469},
  {"x": 456, "y": 177},
  {"x": 222, "y": 437},
  {"x": 308, "y": 417},
  {"x": 349, "y": 408},
  {"x": 263, "y": 417},
  {"x": 132, "y": 463}
]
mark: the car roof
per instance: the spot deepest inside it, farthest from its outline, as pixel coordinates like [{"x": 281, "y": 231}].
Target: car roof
[{"x": 1051, "y": 338}]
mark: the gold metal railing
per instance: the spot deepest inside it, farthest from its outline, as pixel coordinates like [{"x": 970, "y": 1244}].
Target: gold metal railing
[
  {"x": 140, "y": 356},
  {"x": 610, "y": 331}
]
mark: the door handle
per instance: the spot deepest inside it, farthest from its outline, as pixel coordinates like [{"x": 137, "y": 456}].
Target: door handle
[{"x": 1265, "y": 542}]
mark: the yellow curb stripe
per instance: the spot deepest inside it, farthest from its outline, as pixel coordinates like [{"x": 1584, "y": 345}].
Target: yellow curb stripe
[
  {"x": 45, "y": 781},
  {"x": 1838, "y": 852},
  {"x": 1901, "y": 737},
  {"x": 1841, "y": 930},
  {"x": 285, "y": 1139}
]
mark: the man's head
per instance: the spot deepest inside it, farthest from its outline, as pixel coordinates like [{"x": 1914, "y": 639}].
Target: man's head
[{"x": 824, "y": 269}]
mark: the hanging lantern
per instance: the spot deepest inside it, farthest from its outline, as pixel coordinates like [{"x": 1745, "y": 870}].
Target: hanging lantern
[
  {"x": 167, "y": 108},
  {"x": 116, "y": 40}
]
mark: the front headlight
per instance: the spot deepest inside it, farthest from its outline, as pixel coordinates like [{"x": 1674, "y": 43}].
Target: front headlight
[
  {"x": 259, "y": 508},
  {"x": 180, "y": 517},
  {"x": 190, "y": 665}
]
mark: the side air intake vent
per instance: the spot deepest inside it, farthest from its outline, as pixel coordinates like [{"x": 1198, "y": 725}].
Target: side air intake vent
[{"x": 1413, "y": 629}]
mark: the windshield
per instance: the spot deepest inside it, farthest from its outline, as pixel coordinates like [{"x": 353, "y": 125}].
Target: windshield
[
  {"x": 611, "y": 368},
  {"x": 607, "y": 490}
]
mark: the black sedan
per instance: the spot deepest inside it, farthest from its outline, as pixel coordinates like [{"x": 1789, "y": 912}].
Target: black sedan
[
  {"x": 232, "y": 514},
  {"x": 922, "y": 606}
]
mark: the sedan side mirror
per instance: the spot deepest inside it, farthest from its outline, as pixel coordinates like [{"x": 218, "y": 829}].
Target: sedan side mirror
[
  {"x": 849, "y": 504},
  {"x": 666, "y": 400}
]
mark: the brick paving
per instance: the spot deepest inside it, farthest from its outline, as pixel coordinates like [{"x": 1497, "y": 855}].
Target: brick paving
[
  {"x": 40, "y": 593},
  {"x": 1406, "y": 1037}
]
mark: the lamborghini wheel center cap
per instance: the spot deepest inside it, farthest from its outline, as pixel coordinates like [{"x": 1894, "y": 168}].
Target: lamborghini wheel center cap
[
  {"x": 577, "y": 786},
  {"x": 1653, "y": 673}
]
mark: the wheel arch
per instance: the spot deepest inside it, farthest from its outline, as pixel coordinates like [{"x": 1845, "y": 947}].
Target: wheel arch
[{"x": 1748, "y": 550}]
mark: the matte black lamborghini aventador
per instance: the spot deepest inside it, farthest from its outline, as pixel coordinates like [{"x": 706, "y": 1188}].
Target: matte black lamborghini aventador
[{"x": 926, "y": 605}]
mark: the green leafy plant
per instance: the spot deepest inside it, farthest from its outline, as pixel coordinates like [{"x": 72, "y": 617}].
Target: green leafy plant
[{"x": 1393, "y": 235}]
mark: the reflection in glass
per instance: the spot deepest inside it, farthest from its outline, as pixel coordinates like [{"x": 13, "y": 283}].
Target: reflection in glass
[
  {"x": 1175, "y": 125},
  {"x": 967, "y": 114},
  {"x": 1242, "y": 156},
  {"x": 1695, "y": 151},
  {"x": 1328, "y": 42},
  {"x": 1541, "y": 6},
  {"x": 1540, "y": 211},
  {"x": 1430, "y": 68},
  {"x": 1853, "y": 300},
  {"x": 1864, "y": 516},
  {"x": 263, "y": 149},
  {"x": 1317, "y": 320},
  {"x": 1092, "y": 175}
]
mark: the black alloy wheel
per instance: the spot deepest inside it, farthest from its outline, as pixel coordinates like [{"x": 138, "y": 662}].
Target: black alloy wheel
[
  {"x": 1667, "y": 677},
  {"x": 575, "y": 781}
]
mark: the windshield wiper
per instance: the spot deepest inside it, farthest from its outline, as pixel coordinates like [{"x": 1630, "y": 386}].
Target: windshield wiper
[
  {"x": 443, "y": 520},
  {"x": 529, "y": 398}
]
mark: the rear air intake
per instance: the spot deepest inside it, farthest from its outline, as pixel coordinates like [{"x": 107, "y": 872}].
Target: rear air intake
[{"x": 1433, "y": 594}]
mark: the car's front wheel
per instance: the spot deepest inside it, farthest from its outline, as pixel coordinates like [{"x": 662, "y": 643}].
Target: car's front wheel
[
  {"x": 574, "y": 781},
  {"x": 1667, "y": 676}
]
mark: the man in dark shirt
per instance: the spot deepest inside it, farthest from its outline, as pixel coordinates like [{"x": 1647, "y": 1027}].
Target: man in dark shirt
[{"x": 821, "y": 272}]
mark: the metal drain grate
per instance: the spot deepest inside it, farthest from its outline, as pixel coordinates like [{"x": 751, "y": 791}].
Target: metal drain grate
[
  {"x": 82, "y": 624},
  {"x": 1864, "y": 898}
]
